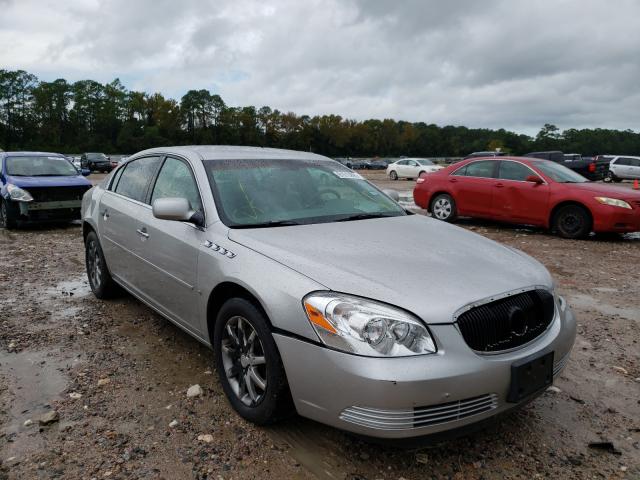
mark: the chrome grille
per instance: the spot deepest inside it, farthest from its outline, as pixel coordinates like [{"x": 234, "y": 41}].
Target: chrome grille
[
  {"x": 508, "y": 322},
  {"x": 419, "y": 416}
]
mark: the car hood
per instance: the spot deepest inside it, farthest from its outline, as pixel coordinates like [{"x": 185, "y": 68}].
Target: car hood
[
  {"x": 61, "y": 181},
  {"x": 607, "y": 190},
  {"x": 422, "y": 265}
]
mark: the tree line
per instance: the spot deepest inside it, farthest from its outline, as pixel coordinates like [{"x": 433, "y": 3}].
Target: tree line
[{"x": 89, "y": 116}]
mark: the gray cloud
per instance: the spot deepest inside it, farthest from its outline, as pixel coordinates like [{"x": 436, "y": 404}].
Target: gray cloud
[{"x": 495, "y": 63}]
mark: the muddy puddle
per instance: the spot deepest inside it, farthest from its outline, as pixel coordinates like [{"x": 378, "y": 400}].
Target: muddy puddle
[
  {"x": 35, "y": 380},
  {"x": 309, "y": 444}
]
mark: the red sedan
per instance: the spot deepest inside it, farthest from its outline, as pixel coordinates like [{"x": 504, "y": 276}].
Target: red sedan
[{"x": 528, "y": 191}]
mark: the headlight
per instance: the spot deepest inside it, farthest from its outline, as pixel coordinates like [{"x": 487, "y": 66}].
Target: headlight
[
  {"x": 365, "y": 327},
  {"x": 614, "y": 202},
  {"x": 18, "y": 194}
]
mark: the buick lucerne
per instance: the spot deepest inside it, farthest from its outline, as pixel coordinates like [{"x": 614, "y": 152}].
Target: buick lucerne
[{"x": 288, "y": 265}]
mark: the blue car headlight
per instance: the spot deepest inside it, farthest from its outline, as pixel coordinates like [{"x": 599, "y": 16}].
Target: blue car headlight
[{"x": 18, "y": 194}]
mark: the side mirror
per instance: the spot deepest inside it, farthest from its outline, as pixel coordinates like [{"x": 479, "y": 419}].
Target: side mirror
[
  {"x": 392, "y": 194},
  {"x": 176, "y": 209},
  {"x": 85, "y": 172},
  {"x": 534, "y": 179}
]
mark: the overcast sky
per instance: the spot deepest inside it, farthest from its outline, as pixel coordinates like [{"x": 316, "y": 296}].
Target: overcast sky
[{"x": 489, "y": 63}]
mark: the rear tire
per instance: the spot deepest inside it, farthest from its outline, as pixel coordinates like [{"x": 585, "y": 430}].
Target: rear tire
[
  {"x": 572, "y": 221},
  {"x": 7, "y": 219},
  {"x": 393, "y": 175},
  {"x": 249, "y": 365},
  {"x": 100, "y": 281},
  {"x": 443, "y": 207},
  {"x": 610, "y": 177}
]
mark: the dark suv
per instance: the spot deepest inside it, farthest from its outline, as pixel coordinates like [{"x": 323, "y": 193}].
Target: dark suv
[{"x": 96, "y": 162}]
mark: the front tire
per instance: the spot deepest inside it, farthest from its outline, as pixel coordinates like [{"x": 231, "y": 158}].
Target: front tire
[
  {"x": 443, "y": 207},
  {"x": 393, "y": 175},
  {"x": 7, "y": 220},
  {"x": 610, "y": 177},
  {"x": 100, "y": 281},
  {"x": 249, "y": 365},
  {"x": 572, "y": 221}
]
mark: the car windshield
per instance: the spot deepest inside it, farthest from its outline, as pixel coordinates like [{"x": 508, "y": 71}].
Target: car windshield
[
  {"x": 425, "y": 162},
  {"x": 269, "y": 193},
  {"x": 40, "y": 166},
  {"x": 558, "y": 172},
  {"x": 96, "y": 156}
]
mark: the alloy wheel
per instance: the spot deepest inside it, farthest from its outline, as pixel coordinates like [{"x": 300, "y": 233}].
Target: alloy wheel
[
  {"x": 95, "y": 265},
  {"x": 244, "y": 361},
  {"x": 442, "y": 208}
]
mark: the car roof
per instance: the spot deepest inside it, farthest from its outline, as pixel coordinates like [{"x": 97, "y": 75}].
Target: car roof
[
  {"x": 31, "y": 154},
  {"x": 228, "y": 152},
  {"x": 527, "y": 160}
]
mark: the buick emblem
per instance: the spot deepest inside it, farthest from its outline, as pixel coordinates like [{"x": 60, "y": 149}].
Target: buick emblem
[{"x": 518, "y": 321}]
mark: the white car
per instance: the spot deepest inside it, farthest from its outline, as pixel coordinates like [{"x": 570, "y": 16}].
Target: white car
[
  {"x": 623, "y": 167},
  {"x": 411, "y": 168}
]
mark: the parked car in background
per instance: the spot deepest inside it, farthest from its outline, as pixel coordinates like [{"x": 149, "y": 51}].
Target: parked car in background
[
  {"x": 250, "y": 250},
  {"x": 96, "y": 162},
  {"x": 376, "y": 164},
  {"x": 623, "y": 167},
  {"x": 411, "y": 168},
  {"x": 39, "y": 187},
  {"x": 604, "y": 158},
  {"x": 491, "y": 153},
  {"x": 570, "y": 157},
  {"x": 346, "y": 161},
  {"x": 589, "y": 168},
  {"x": 528, "y": 191},
  {"x": 359, "y": 164}
]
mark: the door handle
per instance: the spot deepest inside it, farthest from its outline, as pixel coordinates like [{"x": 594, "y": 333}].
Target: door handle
[
  {"x": 453, "y": 180},
  {"x": 499, "y": 185},
  {"x": 143, "y": 231}
]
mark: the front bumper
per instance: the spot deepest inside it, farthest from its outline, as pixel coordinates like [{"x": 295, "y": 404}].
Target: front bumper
[
  {"x": 615, "y": 219},
  {"x": 412, "y": 396},
  {"x": 41, "y": 212}
]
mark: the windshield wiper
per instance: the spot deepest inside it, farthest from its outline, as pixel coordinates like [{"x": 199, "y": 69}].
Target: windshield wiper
[
  {"x": 365, "y": 216},
  {"x": 273, "y": 223}
]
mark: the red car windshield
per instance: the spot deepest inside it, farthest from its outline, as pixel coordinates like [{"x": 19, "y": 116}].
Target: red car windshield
[{"x": 558, "y": 172}]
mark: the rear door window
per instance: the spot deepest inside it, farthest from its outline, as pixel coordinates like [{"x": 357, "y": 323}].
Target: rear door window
[
  {"x": 116, "y": 178},
  {"x": 623, "y": 161},
  {"x": 513, "y": 171},
  {"x": 134, "y": 179},
  {"x": 480, "y": 169}
]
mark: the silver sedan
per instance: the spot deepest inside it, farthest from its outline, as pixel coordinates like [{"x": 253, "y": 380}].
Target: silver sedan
[{"x": 319, "y": 294}]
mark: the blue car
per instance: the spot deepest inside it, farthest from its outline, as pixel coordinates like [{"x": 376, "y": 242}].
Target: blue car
[{"x": 37, "y": 187}]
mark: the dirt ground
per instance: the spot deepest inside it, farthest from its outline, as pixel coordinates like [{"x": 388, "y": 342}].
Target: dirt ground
[{"x": 117, "y": 376}]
